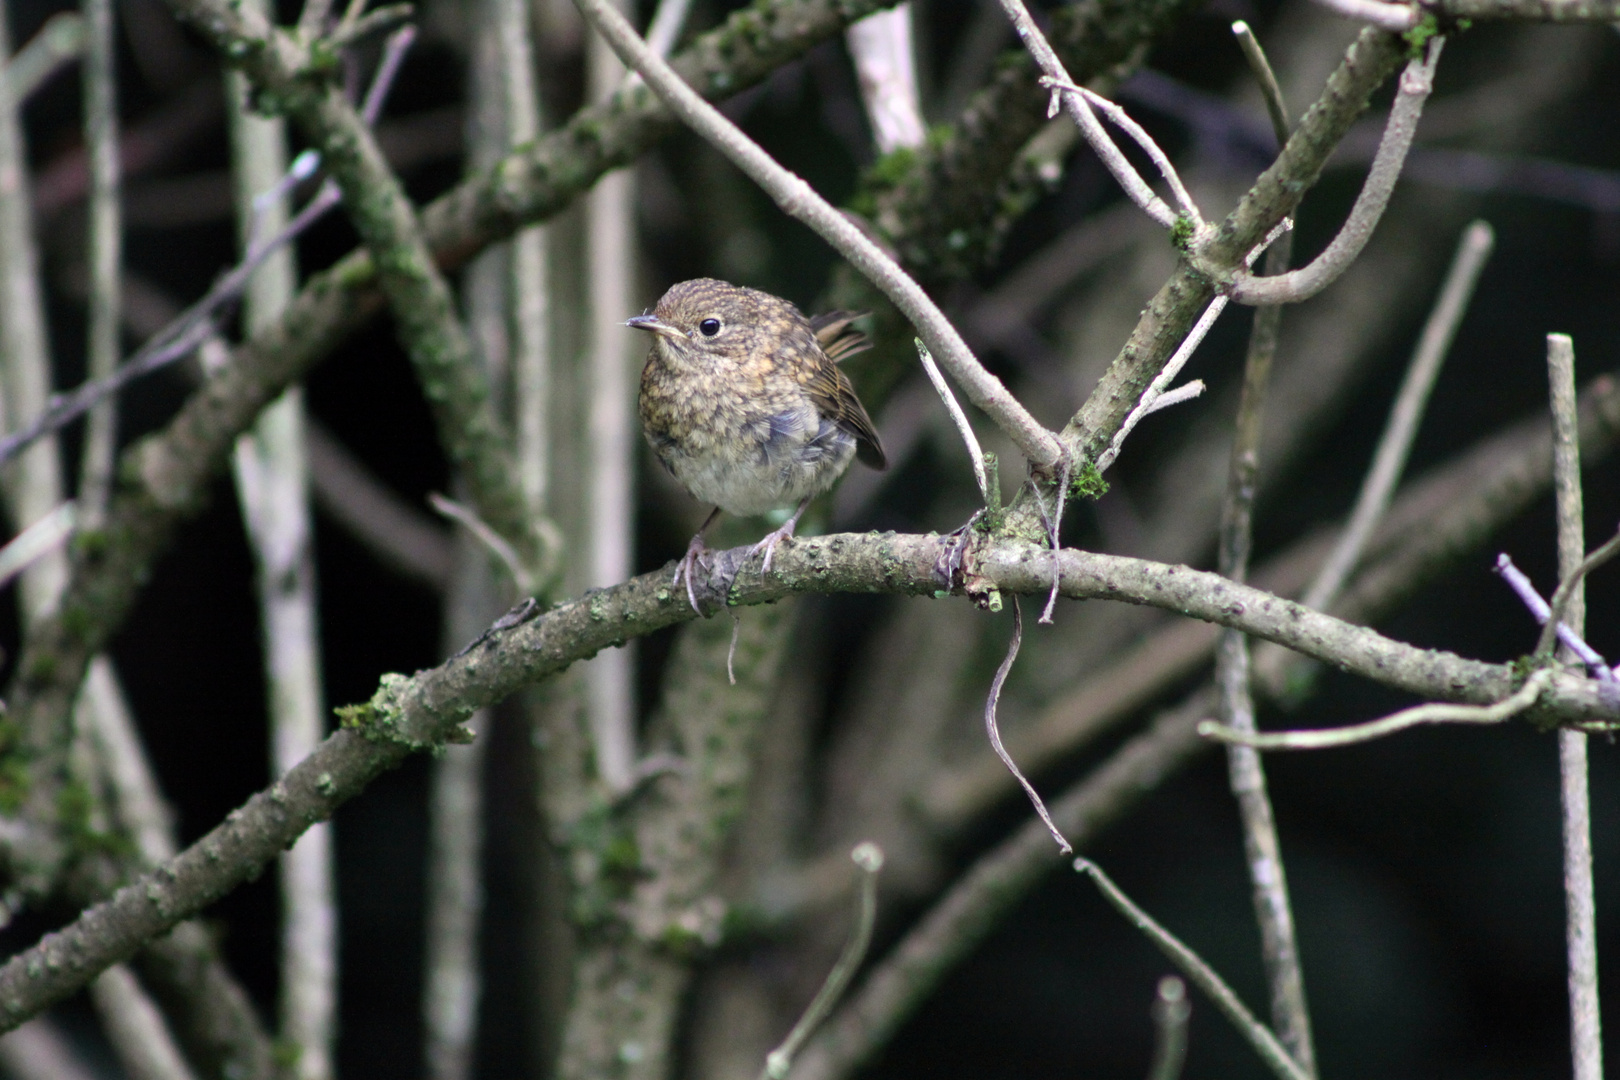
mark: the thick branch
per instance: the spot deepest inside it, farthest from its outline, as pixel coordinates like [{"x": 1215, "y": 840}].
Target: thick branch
[{"x": 411, "y": 714}]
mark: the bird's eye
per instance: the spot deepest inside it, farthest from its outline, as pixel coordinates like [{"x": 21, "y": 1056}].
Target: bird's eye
[{"x": 710, "y": 327}]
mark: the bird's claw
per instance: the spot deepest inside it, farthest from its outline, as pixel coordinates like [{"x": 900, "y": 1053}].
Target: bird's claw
[
  {"x": 768, "y": 545},
  {"x": 695, "y": 557}
]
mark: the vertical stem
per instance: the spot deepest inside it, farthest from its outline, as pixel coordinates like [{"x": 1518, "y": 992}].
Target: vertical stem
[
  {"x": 1585, "y": 1021},
  {"x": 33, "y": 484},
  {"x": 880, "y": 45},
  {"x": 136, "y": 1028},
  {"x": 610, "y": 273},
  {"x": 1280, "y": 951},
  {"x": 530, "y": 290},
  {"x": 272, "y": 476},
  {"x": 101, "y": 139}
]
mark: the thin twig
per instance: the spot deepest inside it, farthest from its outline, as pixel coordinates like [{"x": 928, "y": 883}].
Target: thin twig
[
  {"x": 1255, "y": 56},
  {"x": 800, "y": 201},
  {"x": 1122, "y": 120},
  {"x": 42, "y": 536},
  {"x": 958, "y": 417},
  {"x": 1397, "y": 17},
  {"x": 1431, "y": 713},
  {"x": 1185, "y": 392},
  {"x": 1526, "y": 592},
  {"x": 1561, "y": 597},
  {"x": 994, "y": 731},
  {"x": 1389, "y": 460},
  {"x": 57, "y": 43},
  {"x": 136, "y": 1028},
  {"x": 1046, "y": 58},
  {"x": 105, "y": 256},
  {"x": 1155, "y": 389},
  {"x": 1148, "y": 403},
  {"x": 1268, "y": 881},
  {"x": 493, "y": 541},
  {"x": 1580, "y": 925},
  {"x": 1171, "y": 1013},
  {"x": 1054, "y": 527},
  {"x": 1416, "y": 83},
  {"x": 868, "y": 858},
  {"x": 1200, "y": 974}
]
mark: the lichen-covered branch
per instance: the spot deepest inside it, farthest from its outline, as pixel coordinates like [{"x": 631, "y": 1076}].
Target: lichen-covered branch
[{"x": 412, "y": 714}]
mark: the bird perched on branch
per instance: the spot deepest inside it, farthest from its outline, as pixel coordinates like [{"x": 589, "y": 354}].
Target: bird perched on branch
[{"x": 743, "y": 402}]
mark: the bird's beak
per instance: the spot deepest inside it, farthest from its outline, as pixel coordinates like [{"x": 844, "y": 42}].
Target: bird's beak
[{"x": 650, "y": 322}]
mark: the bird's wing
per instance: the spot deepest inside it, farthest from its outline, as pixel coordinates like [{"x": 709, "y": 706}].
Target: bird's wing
[
  {"x": 837, "y": 338},
  {"x": 834, "y": 397}
]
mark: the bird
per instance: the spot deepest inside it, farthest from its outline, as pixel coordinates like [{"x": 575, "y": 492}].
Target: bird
[{"x": 742, "y": 400}]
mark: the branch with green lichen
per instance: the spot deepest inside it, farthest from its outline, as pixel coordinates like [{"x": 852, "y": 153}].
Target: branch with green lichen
[{"x": 411, "y": 714}]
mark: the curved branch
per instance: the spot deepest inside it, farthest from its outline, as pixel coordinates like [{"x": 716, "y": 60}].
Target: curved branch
[{"x": 1417, "y": 82}]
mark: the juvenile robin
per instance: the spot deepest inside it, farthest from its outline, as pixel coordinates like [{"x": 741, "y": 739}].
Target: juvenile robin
[{"x": 743, "y": 402}]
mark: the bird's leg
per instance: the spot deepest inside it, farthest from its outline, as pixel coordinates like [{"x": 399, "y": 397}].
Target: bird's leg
[
  {"x": 771, "y": 539},
  {"x": 694, "y": 559}
]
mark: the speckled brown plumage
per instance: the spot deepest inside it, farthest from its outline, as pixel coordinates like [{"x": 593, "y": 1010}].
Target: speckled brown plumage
[{"x": 743, "y": 402}]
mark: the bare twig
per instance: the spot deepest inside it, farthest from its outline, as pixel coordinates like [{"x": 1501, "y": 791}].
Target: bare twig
[
  {"x": 868, "y": 858},
  {"x": 1255, "y": 56},
  {"x": 799, "y": 200},
  {"x": 1416, "y": 83},
  {"x": 57, "y": 43},
  {"x": 1531, "y": 599},
  {"x": 1200, "y": 974},
  {"x": 1397, "y": 17},
  {"x": 1432, "y": 713},
  {"x": 1554, "y": 612},
  {"x": 492, "y": 541},
  {"x": 1155, "y": 389},
  {"x": 880, "y": 45},
  {"x": 994, "y": 732},
  {"x": 1268, "y": 881},
  {"x": 136, "y": 1028},
  {"x": 1580, "y": 926},
  {"x": 42, "y": 536},
  {"x": 1404, "y": 416},
  {"x": 1046, "y": 58},
  {"x": 1171, "y": 1012},
  {"x": 1185, "y": 392},
  {"x": 105, "y": 256},
  {"x": 958, "y": 417},
  {"x": 1147, "y": 404},
  {"x": 1122, "y": 120}
]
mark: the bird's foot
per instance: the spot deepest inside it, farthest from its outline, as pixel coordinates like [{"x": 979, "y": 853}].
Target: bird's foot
[
  {"x": 770, "y": 540},
  {"x": 696, "y": 557}
]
